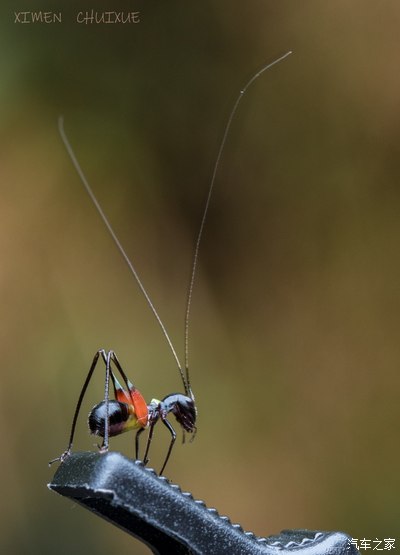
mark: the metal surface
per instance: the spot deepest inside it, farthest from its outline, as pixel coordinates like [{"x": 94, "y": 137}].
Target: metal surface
[{"x": 170, "y": 521}]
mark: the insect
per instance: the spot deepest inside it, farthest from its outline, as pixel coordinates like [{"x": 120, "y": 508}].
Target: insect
[{"x": 128, "y": 410}]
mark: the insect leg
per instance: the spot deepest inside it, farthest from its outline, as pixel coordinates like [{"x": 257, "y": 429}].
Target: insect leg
[
  {"x": 78, "y": 406},
  {"x": 173, "y": 438},
  {"x": 137, "y": 442},
  {"x": 150, "y": 437},
  {"x": 115, "y": 360},
  {"x": 107, "y": 358}
]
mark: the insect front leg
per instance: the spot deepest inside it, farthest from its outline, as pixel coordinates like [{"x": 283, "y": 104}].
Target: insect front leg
[
  {"x": 166, "y": 423},
  {"x": 137, "y": 442},
  {"x": 149, "y": 438}
]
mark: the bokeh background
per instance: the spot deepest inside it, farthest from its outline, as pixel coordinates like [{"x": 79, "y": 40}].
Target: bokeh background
[{"x": 295, "y": 345}]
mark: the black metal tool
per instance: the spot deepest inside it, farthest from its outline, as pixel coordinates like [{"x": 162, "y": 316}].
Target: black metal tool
[{"x": 168, "y": 520}]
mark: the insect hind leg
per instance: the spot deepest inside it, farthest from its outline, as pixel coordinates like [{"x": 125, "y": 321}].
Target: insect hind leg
[{"x": 106, "y": 356}]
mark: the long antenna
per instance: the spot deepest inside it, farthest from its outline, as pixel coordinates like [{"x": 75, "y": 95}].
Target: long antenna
[
  {"x": 210, "y": 190},
  {"x": 117, "y": 242}
]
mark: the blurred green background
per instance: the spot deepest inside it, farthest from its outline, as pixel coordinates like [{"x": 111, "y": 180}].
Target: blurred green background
[{"x": 295, "y": 345}]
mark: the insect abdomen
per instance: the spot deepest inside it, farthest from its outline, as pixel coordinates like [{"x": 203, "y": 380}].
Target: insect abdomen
[{"x": 121, "y": 418}]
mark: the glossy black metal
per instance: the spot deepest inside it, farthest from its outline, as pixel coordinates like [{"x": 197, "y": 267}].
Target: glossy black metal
[{"x": 169, "y": 521}]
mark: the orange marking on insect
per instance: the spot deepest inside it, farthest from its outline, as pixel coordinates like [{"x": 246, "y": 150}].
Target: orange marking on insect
[
  {"x": 137, "y": 404},
  {"x": 140, "y": 406},
  {"x": 122, "y": 396}
]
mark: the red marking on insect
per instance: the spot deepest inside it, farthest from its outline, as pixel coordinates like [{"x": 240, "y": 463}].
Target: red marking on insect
[{"x": 134, "y": 399}]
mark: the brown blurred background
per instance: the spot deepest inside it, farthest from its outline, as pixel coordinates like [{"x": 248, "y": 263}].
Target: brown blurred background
[{"x": 295, "y": 345}]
